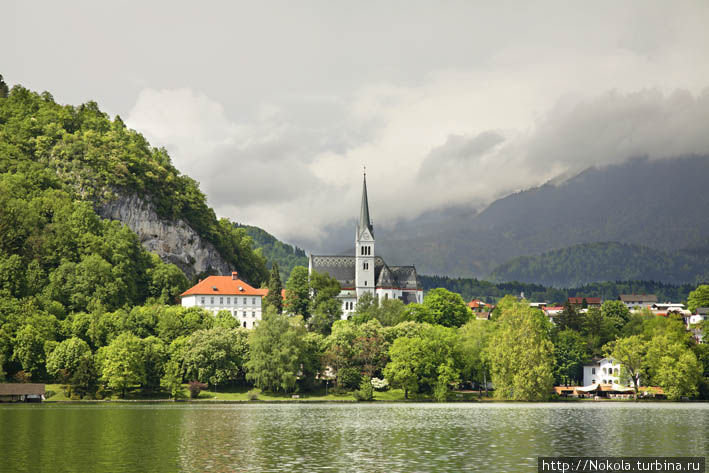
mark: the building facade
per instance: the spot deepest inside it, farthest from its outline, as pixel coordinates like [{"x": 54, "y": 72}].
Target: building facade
[
  {"x": 603, "y": 371},
  {"x": 229, "y": 293},
  {"x": 365, "y": 272}
]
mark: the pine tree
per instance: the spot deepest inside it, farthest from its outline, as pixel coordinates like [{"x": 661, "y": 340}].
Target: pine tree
[{"x": 275, "y": 287}]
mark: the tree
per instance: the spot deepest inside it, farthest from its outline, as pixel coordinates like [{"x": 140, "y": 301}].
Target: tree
[
  {"x": 217, "y": 356},
  {"x": 471, "y": 351},
  {"x": 277, "y": 346},
  {"x": 698, "y": 298},
  {"x": 64, "y": 360},
  {"x": 121, "y": 363},
  {"x": 425, "y": 363},
  {"x": 673, "y": 366},
  {"x": 85, "y": 378},
  {"x": 570, "y": 355},
  {"x": 275, "y": 287},
  {"x": 172, "y": 380},
  {"x": 29, "y": 350},
  {"x": 630, "y": 353},
  {"x": 298, "y": 293},
  {"x": 521, "y": 354},
  {"x": 598, "y": 330},
  {"x": 569, "y": 318},
  {"x": 4, "y": 90},
  {"x": 617, "y": 312},
  {"x": 154, "y": 357},
  {"x": 325, "y": 307},
  {"x": 448, "y": 308}
]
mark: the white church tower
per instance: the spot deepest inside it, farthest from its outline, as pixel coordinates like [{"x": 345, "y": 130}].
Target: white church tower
[{"x": 364, "y": 248}]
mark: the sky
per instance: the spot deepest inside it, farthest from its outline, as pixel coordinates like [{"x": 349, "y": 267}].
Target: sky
[{"x": 276, "y": 107}]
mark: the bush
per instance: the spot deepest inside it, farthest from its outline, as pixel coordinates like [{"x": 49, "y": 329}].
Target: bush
[
  {"x": 365, "y": 391},
  {"x": 195, "y": 388},
  {"x": 349, "y": 378},
  {"x": 253, "y": 394},
  {"x": 49, "y": 393}
]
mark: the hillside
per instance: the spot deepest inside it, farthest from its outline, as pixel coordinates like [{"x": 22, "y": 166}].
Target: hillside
[
  {"x": 656, "y": 204},
  {"x": 81, "y": 154},
  {"x": 287, "y": 256},
  {"x": 593, "y": 262}
]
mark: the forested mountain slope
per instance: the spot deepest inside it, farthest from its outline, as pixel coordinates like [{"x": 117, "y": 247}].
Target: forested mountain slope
[
  {"x": 287, "y": 256},
  {"x": 593, "y": 262},
  {"x": 84, "y": 154},
  {"x": 657, "y": 204}
]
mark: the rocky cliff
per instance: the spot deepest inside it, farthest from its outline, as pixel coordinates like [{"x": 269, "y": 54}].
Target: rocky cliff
[{"x": 174, "y": 241}]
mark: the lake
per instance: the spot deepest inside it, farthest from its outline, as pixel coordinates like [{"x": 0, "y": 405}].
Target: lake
[{"x": 378, "y": 437}]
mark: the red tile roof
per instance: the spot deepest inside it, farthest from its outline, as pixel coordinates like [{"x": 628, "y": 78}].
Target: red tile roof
[
  {"x": 477, "y": 303},
  {"x": 224, "y": 285},
  {"x": 589, "y": 300}
]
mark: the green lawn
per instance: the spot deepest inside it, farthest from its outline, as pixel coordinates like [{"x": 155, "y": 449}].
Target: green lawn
[{"x": 241, "y": 394}]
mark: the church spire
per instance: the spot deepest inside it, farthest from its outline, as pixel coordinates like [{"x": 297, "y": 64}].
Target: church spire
[{"x": 364, "y": 221}]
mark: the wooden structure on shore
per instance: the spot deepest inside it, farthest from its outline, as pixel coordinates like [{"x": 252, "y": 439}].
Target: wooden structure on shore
[{"x": 21, "y": 392}]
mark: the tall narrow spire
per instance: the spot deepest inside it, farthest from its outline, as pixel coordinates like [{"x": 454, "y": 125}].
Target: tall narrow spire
[{"x": 364, "y": 220}]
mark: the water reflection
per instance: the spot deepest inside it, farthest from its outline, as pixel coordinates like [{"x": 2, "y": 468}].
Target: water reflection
[{"x": 336, "y": 437}]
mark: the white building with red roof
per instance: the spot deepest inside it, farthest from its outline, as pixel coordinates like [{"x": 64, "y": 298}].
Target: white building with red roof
[{"x": 240, "y": 299}]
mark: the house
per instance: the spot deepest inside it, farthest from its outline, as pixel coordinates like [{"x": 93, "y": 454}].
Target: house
[
  {"x": 585, "y": 301},
  {"x": 21, "y": 392},
  {"x": 477, "y": 305},
  {"x": 638, "y": 301},
  {"x": 553, "y": 312},
  {"x": 229, "y": 293},
  {"x": 364, "y": 272},
  {"x": 693, "y": 320},
  {"x": 601, "y": 371}
]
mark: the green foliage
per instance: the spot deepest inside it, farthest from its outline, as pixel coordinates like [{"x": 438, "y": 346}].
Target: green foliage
[
  {"x": 630, "y": 353},
  {"x": 570, "y": 356},
  {"x": 591, "y": 262},
  {"x": 298, "y": 293},
  {"x": 353, "y": 350},
  {"x": 447, "y": 308},
  {"x": 121, "y": 363},
  {"x": 273, "y": 298},
  {"x": 217, "y": 356},
  {"x": 365, "y": 391},
  {"x": 488, "y": 291},
  {"x": 172, "y": 379},
  {"x": 286, "y": 256},
  {"x": 471, "y": 351},
  {"x": 421, "y": 364},
  {"x": 155, "y": 355},
  {"x": 324, "y": 305},
  {"x": 277, "y": 346},
  {"x": 64, "y": 360},
  {"x": 698, "y": 298},
  {"x": 521, "y": 354}
]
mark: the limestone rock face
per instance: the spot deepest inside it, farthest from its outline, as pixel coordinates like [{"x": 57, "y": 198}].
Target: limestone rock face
[{"x": 174, "y": 241}]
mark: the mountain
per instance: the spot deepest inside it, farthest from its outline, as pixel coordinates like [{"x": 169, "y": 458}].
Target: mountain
[
  {"x": 658, "y": 204},
  {"x": 61, "y": 155},
  {"x": 287, "y": 256},
  {"x": 593, "y": 262}
]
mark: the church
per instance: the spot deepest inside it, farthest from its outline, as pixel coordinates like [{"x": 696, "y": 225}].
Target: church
[{"x": 366, "y": 272}]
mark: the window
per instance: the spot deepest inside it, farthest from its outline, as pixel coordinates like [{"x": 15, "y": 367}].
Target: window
[
  {"x": 244, "y": 316},
  {"x": 253, "y": 300},
  {"x": 365, "y": 283},
  {"x": 203, "y": 301},
  {"x": 221, "y": 301},
  {"x": 365, "y": 266},
  {"x": 593, "y": 382},
  {"x": 211, "y": 300},
  {"x": 593, "y": 371},
  {"x": 228, "y": 301},
  {"x": 253, "y": 315},
  {"x": 244, "y": 323},
  {"x": 244, "y": 301}
]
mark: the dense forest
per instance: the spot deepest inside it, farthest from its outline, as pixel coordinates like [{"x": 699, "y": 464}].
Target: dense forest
[
  {"x": 592, "y": 262},
  {"x": 83, "y": 154},
  {"x": 287, "y": 256},
  {"x": 488, "y": 291}
]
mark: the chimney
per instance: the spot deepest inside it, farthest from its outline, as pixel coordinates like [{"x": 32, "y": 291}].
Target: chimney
[{"x": 233, "y": 275}]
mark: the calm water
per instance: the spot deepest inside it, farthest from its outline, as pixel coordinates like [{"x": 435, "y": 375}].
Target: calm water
[{"x": 336, "y": 437}]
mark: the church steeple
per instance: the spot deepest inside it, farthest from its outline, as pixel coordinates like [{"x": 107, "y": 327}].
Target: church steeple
[{"x": 364, "y": 220}]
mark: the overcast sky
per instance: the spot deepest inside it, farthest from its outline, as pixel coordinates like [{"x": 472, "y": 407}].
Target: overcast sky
[{"x": 274, "y": 107}]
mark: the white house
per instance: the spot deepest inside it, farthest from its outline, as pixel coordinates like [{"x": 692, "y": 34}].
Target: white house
[
  {"x": 694, "y": 319},
  {"x": 228, "y": 293},
  {"x": 364, "y": 272},
  {"x": 603, "y": 371},
  {"x": 638, "y": 301}
]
